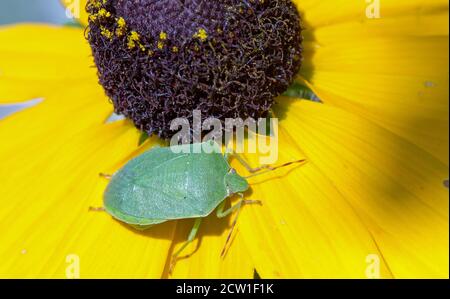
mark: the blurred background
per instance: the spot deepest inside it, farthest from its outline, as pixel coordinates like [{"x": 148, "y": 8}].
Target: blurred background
[
  {"x": 46, "y": 11},
  {"x": 42, "y": 11}
]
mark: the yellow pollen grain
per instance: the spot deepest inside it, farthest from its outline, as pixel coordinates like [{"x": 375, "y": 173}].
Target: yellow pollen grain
[
  {"x": 95, "y": 3},
  {"x": 121, "y": 26},
  {"x": 121, "y": 22},
  {"x": 163, "y": 35},
  {"x": 106, "y": 33},
  {"x": 104, "y": 13},
  {"x": 201, "y": 34},
  {"x": 131, "y": 45},
  {"x": 160, "y": 45},
  {"x": 133, "y": 38}
]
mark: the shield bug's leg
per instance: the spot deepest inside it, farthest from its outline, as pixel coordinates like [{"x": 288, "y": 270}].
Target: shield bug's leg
[
  {"x": 96, "y": 209},
  {"x": 221, "y": 214},
  {"x": 106, "y": 176},
  {"x": 191, "y": 238}
]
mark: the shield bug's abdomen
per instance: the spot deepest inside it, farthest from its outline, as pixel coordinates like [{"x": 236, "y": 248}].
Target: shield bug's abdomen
[{"x": 163, "y": 184}]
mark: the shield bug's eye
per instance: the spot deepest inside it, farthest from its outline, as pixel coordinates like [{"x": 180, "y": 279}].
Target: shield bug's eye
[{"x": 160, "y": 60}]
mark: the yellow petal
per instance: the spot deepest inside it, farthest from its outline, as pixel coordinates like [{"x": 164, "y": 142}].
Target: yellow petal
[
  {"x": 391, "y": 70},
  {"x": 63, "y": 112},
  {"x": 45, "y": 219},
  {"x": 394, "y": 187},
  {"x": 409, "y": 25},
  {"x": 304, "y": 228},
  {"x": 330, "y": 12},
  {"x": 37, "y": 59},
  {"x": 203, "y": 258}
]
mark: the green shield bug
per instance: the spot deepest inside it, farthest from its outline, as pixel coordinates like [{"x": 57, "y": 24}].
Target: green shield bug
[{"x": 177, "y": 182}]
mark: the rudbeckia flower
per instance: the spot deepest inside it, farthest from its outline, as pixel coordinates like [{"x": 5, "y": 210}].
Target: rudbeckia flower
[{"x": 370, "y": 202}]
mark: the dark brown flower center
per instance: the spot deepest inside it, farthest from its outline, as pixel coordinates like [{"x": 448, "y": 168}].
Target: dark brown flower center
[{"x": 162, "y": 59}]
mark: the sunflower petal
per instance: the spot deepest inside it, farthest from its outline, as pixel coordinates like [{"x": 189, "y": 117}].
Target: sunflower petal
[
  {"x": 203, "y": 258},
  {"x": 394, "y": 187},
  {"x": 331, "y": 12},
  {"x": 390, "y": 70},
  {"x": 45, "y": 211},
  {"x": 37, "y": 59},
  {"x": 304, "y": 228},
  {"x": 62, "y": 113}
]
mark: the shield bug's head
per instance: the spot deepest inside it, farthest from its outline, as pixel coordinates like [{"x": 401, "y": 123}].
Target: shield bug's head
[
  {"x": 160, "y": 60},
  {"x": 235, "y": 183}
]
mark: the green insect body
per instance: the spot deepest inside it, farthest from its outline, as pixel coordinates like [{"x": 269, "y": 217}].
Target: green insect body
[
  {"x": 171, "y": 183},
  {"x": 174, "y": 183}
]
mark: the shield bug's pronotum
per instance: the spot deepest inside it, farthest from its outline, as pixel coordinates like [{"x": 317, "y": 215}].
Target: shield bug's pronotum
[{"x": 177, "y": 182}]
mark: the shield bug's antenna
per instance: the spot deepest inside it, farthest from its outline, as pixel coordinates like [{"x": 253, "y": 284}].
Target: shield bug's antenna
[
  {"x": 267, "y": 168},
  {"x": 261, "y": 169}
]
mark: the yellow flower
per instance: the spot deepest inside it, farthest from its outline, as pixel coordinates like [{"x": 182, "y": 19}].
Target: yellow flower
[{"x": 372, "y": 190}]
